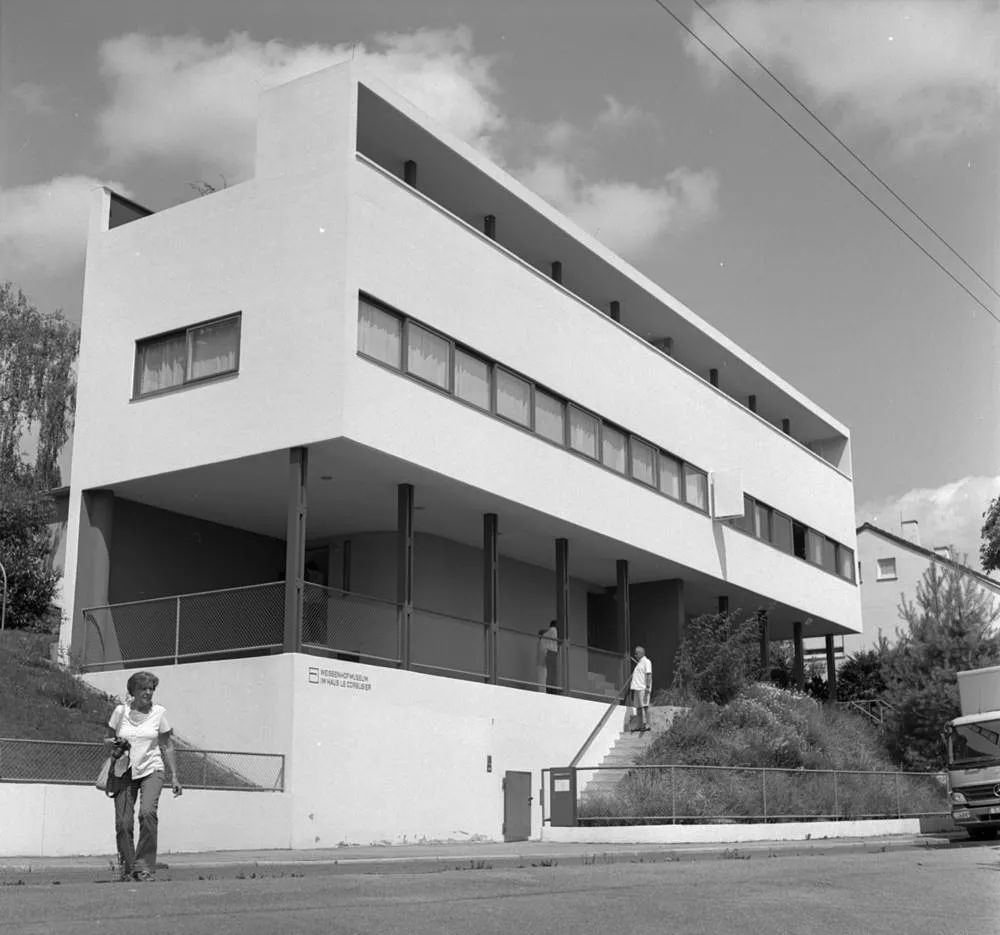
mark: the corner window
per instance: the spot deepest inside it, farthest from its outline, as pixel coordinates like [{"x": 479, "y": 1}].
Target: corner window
[
  {"x": 845, "y": 562},
  {"x": 885, "y": 569},
  {"x": 380, "y": 334},
  {"x": 472, "y": 379},
  {"x": 643, "y": 462},
  {"x": 189, "y": 355},
  {"x": 696, "y": 487},
  {"x": 614, "y": 452},
  {"x": 427, "y": 355},
  {"x": 550, "y": 417},
  {"x": 513, "y": 398}
]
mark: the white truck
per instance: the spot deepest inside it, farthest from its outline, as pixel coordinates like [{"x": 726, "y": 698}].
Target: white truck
[{"x": 974, "y": 754}]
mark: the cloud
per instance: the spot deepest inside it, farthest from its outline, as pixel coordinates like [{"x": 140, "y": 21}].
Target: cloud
[
  {"x": 626, "y": 216},
  {"x": 617, "y": 116},
  {"x": 34, "y": 98},
  {"x": 43, "y": 227},
  {"x": 185, "y": 100},
  {"x": 948, "y": 515},
  {"x": 923, "y": 71}
]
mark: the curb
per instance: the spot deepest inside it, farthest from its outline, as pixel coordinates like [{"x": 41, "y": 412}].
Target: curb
[{"x": 195, "y": 867}]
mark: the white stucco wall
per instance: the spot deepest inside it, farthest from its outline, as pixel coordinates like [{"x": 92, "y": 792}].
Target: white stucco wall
[
  {"x": 40, "y": 820},
  {"x": 402, "y": 760}
]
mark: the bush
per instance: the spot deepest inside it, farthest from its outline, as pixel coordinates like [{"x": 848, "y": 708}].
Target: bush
[{"x": 718, "y": 657}]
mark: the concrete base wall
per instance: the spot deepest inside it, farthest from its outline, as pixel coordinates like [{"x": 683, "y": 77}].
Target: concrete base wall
[
  {"x": 734, "y": 833},
  {"x": 376, "y": 755},
  {"x": 38, "y": 820}
]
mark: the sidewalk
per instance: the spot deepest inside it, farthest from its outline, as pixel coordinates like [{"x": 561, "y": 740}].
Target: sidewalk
[{"x": 435, "y": 858}]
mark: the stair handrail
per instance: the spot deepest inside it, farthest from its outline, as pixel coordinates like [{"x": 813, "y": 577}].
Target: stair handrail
[{"x": 619, "y": 698}]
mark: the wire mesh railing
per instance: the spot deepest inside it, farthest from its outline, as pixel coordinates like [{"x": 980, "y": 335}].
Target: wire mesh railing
[
  {"x": 218, "y": 624},
  {"x": 345, "y": 625},
  {"x": 77, "y": 763},
  {"x": 350, "y": 626},
  {"x": 685, "y": 794}
]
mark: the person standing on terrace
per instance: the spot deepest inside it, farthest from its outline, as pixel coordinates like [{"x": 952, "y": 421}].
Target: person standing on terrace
[{"x": 641, "y": 687}]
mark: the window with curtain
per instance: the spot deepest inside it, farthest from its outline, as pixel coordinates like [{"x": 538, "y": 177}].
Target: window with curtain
[
  {"x": 814, "y": 547},
  {"x": 670, "y": 476},
  {"x": 830, "y": 555},
  {"x": 762, "y": 521},
  {"x": 643, "y": 462},
  {"x": 614, "y": 450},
  {"x": 198, "y": 352},
  {"x": 550, "y": 417},
  {"x": 380, "y": 334},
  {"x": 213, "y": 348},
  {"x": 427, "y": 355},
  {"x": 513, "y": 398},
  {"x": 472, "y": 379},
  {"x": 583, "y": 432},
  {"x": 696, "y": 487},
  {"x": 845, "y": 562}
]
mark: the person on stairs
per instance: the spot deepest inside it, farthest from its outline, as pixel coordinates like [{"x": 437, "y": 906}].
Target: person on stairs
[{"x": 641, "y": 687}]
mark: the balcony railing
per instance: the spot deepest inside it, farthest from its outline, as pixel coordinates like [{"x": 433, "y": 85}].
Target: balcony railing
[{"x": 249, "y": 621}]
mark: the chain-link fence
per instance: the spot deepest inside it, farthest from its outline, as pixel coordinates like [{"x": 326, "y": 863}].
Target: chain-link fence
[
  {"x": 208, "y": 625},
  {"x": 681, "y": 794},
  {"x": 74, "y": 763},
  {"x": 350, "y": 626}
]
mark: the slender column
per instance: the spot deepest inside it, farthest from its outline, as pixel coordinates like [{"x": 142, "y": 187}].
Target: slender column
[
  {"x": 765, "y": 645},
  {"x": 623, "y": 605},
  {"x": 295, "y": 546},
  {"x": 562, "y": 606},
  {"x": 491, "y": 591},
  {"x": 831, "y": 671},
  {"x": 404, "y": 568},
  {"x": 799, "y": 666},
  {"x": 345, "y": 568}
]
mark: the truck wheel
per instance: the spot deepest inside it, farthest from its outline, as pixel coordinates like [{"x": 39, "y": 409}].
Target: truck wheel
[{"x": 982, "y": 834}]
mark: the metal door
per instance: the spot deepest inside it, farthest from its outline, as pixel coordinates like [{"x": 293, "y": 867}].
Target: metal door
[{"x": 516, "y": 806}]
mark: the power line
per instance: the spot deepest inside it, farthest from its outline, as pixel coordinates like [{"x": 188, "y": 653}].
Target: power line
[
  {"x": 848, "y": 149},
  {"x": 827, "y": 159}
]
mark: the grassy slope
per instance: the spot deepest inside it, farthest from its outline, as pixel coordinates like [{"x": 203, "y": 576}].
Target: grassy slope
[{"x": 39, "y": 701}]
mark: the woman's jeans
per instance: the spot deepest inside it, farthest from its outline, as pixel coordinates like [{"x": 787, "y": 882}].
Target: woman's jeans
[{"x": 147, "y": 791}]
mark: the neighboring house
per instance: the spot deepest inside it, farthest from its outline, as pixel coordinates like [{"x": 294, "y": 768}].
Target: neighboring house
[
  {"x": 351, "y": 432},
  {"x": 890, "y": 566}
]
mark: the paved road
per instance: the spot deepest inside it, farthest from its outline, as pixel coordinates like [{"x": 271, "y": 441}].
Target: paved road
[{"x": 938, "y": 891}]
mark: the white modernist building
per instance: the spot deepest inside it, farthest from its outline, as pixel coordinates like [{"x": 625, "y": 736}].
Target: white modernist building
[{"x": 350, "y": 433}]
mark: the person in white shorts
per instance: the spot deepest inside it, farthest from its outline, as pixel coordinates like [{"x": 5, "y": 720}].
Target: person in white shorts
[{"x": 641, "y": 687}]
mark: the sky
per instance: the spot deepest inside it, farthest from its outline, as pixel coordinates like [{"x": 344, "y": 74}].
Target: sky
[{"x": 617, "y": 116}]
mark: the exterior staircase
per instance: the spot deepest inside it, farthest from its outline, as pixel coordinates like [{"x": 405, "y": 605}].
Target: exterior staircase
[{"x": 629, "y": 746}]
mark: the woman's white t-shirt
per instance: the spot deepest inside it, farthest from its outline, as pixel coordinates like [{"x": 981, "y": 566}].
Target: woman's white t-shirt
[{"x": 144, "y": 753}]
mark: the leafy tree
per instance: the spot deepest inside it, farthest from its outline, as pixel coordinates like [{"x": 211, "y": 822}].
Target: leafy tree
[
  {"x": 860, "y": 677},
  {"x": 24, "y": 551},
  {"x": 719, "y": 656},
  {"x": 989, "y": 550},
  {"x": 949, "y": 628},
  {"x": 37, "y": 385}
]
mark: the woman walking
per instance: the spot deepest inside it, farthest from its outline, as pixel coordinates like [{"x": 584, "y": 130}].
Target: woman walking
[{"x": 144, "y": 726}]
